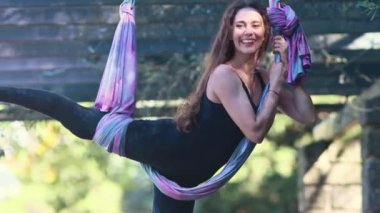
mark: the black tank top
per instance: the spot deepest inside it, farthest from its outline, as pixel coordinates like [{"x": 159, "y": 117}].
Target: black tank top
[{"x": 187, "y": 158}]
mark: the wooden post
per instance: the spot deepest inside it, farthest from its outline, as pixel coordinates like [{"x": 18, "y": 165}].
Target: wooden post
[{"x": 370, "y": 120}]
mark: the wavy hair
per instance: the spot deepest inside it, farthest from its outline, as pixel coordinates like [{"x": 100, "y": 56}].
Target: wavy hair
[{"x": 222, "y": 50}]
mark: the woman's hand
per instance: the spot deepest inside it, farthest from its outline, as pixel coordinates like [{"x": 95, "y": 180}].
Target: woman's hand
[
  {"x": 280, "y": 45},
  {"x": 276, "y": 76}
]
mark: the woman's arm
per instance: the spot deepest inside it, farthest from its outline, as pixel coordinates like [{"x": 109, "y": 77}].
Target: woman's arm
[
  {"x": 225, "y": 85},
  {"x": 297, "y": 104},
  {"x": 295, "y": 101}
]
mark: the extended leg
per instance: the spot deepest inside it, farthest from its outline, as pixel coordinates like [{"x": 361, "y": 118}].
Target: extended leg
[
  {"x": 81, "y": 121},
  {"x": 165, "y": 204}
]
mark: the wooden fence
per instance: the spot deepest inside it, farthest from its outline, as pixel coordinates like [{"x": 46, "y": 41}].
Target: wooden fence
[{"x": 62, "y": 45}]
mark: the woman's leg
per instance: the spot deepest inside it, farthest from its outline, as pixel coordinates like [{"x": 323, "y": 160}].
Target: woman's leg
[
  {"x": 81, "y": 121},
  {"x": 165, "y": 204}
]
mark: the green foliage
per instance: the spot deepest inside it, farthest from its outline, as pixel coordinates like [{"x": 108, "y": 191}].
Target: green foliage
[
  {"x": 61, "y": 173},
  {"x": 371, "y": 7}
]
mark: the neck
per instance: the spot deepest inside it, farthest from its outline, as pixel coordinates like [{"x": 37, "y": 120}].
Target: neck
[{"x": 244, "y": 63}]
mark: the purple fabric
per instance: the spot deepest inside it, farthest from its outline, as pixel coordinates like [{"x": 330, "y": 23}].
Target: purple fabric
[
  {"x": 299, "y": 58},
  {"x": 117, "y": 89},
  {"x": 118, "y": 86}
]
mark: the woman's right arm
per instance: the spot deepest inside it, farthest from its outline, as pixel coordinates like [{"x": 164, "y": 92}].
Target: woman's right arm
[{"x": 226, "y": 86}]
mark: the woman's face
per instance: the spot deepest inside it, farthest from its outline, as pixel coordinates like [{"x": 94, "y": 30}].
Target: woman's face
[{"x": 248, "y": 31}]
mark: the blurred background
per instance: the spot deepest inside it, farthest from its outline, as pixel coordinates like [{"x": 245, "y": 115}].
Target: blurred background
[{"x": 62, "y": 46}]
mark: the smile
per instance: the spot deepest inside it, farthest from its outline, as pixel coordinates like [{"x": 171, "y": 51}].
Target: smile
[{"x": 247, "y": 41}]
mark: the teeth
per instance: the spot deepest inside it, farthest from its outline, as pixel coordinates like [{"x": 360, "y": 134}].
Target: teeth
[{"x": 247, "y": 41}]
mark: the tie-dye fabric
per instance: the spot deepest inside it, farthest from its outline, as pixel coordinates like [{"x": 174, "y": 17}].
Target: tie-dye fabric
[
  {"x": 118, "y": 86},
  {"x": 283, "y": 18}
]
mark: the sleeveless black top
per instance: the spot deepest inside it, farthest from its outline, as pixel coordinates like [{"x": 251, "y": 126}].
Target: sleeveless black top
[{"x": 187, "y": 158}]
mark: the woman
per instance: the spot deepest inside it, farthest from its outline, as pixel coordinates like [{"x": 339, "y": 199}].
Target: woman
[{"x": 221, "y": 111}]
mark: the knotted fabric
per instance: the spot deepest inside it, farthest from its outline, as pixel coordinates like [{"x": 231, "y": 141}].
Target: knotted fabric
[{"x": 284, "y": 20}]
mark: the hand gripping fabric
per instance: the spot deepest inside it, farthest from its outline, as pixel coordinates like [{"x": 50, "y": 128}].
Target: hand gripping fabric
[
  {"x": 117, "y": 96},
  {"x": 283, "y": 18}
]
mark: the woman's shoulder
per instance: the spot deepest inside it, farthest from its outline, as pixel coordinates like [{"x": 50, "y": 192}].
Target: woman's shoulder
[
  {"x": 224, "y": 73},
  {"x": 223, "y": 79}
]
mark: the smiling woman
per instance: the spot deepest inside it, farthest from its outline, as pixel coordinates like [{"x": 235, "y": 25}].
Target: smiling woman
[
  {"x": 248, "y": 31},
  {"x": 221, "y": 112}
]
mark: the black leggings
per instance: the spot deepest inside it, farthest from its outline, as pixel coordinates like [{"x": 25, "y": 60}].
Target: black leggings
[{"x": 82, "y": 122}]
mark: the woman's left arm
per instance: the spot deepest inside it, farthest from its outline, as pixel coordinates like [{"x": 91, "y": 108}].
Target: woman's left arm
[
  {"x": 294, "y": 100},
  {"x": 297, "y": 104}
]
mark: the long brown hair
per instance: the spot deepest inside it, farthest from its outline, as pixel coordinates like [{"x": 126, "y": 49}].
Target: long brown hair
[{"x": 222, "y": 51}]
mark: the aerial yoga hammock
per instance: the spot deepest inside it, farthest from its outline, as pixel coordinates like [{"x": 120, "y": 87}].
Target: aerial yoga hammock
[
  {"x": 115, "y": 102},
  {"x": 116, "y": 94}
]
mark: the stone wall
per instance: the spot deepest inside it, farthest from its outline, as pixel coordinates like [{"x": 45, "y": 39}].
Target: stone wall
[
  {"x": 340, "y": 174},
  {"x": 331, "y": 182},
  {"x": 370, "y": 121}
]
